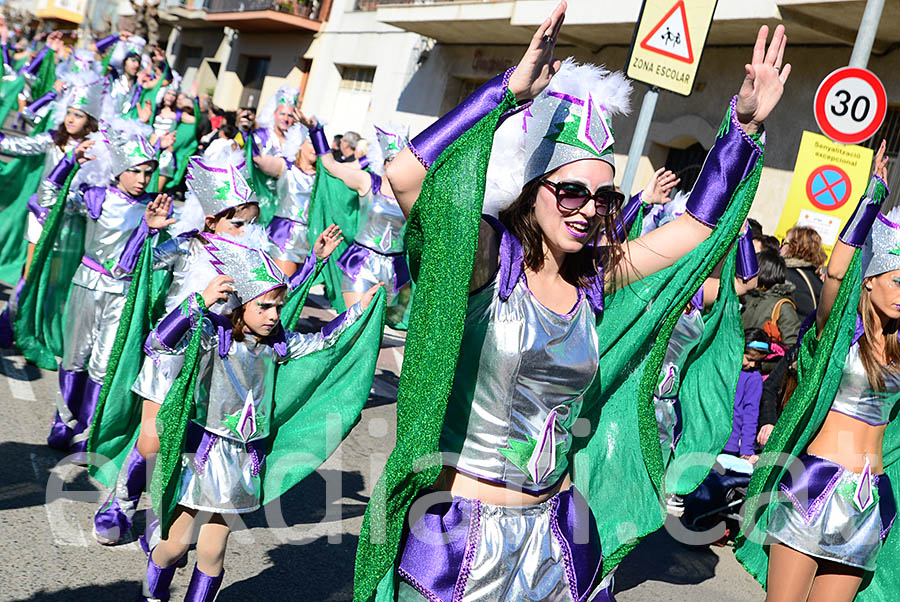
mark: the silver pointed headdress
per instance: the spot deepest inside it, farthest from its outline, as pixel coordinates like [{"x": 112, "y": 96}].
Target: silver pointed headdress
[
  {"x": 253, "y": 271},
  {"x": 286, "y": 95},
  {"x": 128, "y": 146},
  {"x": 218, "y": 188},
  {"x": 882, "y": 251},
  {"x": 86, "y": 94},
  {"x": 568, "y": 121},
  {"x": 392, "y": 139}
]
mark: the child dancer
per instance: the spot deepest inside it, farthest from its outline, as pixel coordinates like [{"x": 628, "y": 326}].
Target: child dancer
[{"x": 227, "y": 436}]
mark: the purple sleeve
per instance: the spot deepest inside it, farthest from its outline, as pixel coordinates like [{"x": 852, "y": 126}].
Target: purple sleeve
[
  {"x": 752, "y": 393},
  {"x": 40, "y": 103},
  {"x": 106, "y": 43},
  {"x": 303, "y": 272},
  {"x": 319, "y": 141},
  {"x": 5, "y": 52},
  {"x": 731, "y": 158},
  {"x": 746, "y": 265},
  {"x": 132, "y": 250},
  {"x": 58, "y": 174},
  {"x": 32, "y": 67},
  {"x": 429, "y": 145},
  {"x": 628, "y": 215},
  {"x": 856, "y": 231},
  {"x": 171, "y": 330},
  {"x": 93, "y": 200}
]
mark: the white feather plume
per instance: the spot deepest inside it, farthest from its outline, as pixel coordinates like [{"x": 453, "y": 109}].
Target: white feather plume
[
  {"x": 610, "y": 88},
  {"x": 253, "y": 237},
  {"x": 97, "y": 171}
]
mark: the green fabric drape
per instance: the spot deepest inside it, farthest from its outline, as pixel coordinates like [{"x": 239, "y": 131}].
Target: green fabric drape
[
  {"x": 10, "y": 89},
  {"x": 262, "y": 185},
  {"x": 317, "y": 400},
  {"x": 40, "y": 321},
  {"x": 820, "y": 367},
  {"x": 185, "y": 147},
  {"x": 333, "y": 202},
  {"x": 633, "y": 333}
]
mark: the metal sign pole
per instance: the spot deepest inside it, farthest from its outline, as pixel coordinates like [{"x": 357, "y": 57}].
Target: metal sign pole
[
  {"x": 639, "y": 139},
  {"x": 865, "y": 36}
]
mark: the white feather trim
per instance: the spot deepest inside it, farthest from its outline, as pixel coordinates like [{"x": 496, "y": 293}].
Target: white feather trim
[
  {"x": 609, "y": 88},
  {"x": 191, "y": 216},
  {"x": 98, "y": 171},
  {"x": 254, "y": 237}
]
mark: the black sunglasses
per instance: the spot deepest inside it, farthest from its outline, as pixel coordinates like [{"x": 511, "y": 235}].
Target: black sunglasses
[{"x": 572, "y": 196}]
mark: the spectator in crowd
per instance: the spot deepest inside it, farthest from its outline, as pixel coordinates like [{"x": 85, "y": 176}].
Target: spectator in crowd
[
  {"x": 769, "y": 242},
  {"x": 771, "y": 306},
  {"x": 346, "y": 151},
  {"x": 804, "y": 255},
  {"x": 777, "y": 390},
  {"x": 336, "y": 143},
  {"x": 757, "y": 231},
  {"x": 746, "y": 399}
]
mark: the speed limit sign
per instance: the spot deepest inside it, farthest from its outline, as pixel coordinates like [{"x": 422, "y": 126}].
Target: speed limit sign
[{"x": 850, "y": 105}]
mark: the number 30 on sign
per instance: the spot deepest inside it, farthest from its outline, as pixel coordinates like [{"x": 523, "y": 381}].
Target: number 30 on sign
[{"x": 850, "y": 105}]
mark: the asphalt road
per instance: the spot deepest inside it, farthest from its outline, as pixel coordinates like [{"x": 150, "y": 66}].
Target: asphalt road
[{"x": 302, "y": 551}]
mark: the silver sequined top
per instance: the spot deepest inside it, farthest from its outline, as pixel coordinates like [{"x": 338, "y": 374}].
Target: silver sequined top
[
  {"x": 230, "y": 395},
  {"x": 685, "y": 336},
  {"x": 855, "y": 396},
  {"x": 381, "y": 221},
  {"x": 35, "y": 145},
  {"x": 186, "y": 257},
  {"x": 121, "y": 92},
  {"x": 519, "y": 387},
  {"x": 106, "y": 235},
  {"x": 163, "y": 125},
  {"x": 295, "y": 190}
]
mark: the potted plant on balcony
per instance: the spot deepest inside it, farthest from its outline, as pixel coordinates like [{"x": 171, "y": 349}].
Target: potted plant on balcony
[{"x": 304, "y": 8}]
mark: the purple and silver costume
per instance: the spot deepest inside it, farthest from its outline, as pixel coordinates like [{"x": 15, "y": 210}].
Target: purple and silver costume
[
  {"x": 377, "y": 253},
  {"x": 831, "y": 512},
  {"x": 288, "y": 230},
  {"x": 520, "y": 380},
  {"x": 226, "y": 439}
]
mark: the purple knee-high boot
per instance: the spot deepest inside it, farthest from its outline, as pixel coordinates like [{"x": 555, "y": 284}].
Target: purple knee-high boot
[
  {"x": 7, "y": 334},
  {"x": 157, "y": 581},
  {"x": 203, "y": 588},
  {"x": 68, "y": 408},
  {"x": 113, "y": 519},
  {"x": 86, "y": 416}
]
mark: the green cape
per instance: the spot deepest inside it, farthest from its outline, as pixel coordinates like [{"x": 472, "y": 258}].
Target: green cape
[
  {"x": 317, "y": 400},
  {"x": 820, "y": 367},
  {"x": 9, "y": 90},
  {"x": 633, "y": 333},
  {"x": 262, "y": 185},
  {"x": 333, "y": 202},
  {"x": 185, "y": 147},
  {"x": 40, "y": 321}
]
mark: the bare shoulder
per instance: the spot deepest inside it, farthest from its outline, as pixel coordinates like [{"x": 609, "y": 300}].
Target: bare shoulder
[{"x": 487, "y": 256}]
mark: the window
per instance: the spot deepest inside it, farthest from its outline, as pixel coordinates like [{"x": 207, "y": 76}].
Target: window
[
  {"x": 357, "y": 79},
  {"x": 889, "y": 131},
  {"x": 190, "y": 56},
  {"x": 686, "y": 163}
]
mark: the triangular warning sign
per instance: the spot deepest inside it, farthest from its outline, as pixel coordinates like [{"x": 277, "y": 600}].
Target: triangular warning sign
[{"x": 671, "y": 36}]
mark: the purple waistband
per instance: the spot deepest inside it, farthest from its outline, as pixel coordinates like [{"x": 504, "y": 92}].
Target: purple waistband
[
  {"x": 353, "y": 259},
  {"x": 819, "y": 477},
  {"x": 279, "y": 231},
  {"x": 441, "y": 545},
  {"x": 95, "y": 265}
]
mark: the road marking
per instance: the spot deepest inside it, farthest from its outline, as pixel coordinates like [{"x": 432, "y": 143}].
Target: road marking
[
  {"x": 398, "y": 358},
  {"x": 17, "y": 378},
  {"x": 65, "y": 530}
]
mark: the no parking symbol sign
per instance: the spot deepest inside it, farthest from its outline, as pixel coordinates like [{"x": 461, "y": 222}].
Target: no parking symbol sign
[{"x": 829, "y": 179}]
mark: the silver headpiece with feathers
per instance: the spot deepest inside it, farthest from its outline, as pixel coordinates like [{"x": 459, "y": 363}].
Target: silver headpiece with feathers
[
  {"x": 218, "y": 187},
  {"x": 253, "y": 271}
]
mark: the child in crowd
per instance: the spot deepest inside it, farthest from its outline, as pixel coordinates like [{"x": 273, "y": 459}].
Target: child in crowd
[{"x": 746, "y": 399}]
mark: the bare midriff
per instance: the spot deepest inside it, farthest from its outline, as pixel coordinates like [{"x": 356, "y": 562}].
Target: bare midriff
[
  {"x": 463, "y": 485},
  {"x": 849, "y": 442}
]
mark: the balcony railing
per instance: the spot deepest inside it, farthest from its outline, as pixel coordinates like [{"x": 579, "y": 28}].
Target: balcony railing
[
  {"x": 302, "y": 8},
  {"x": 374, "y": 4}
]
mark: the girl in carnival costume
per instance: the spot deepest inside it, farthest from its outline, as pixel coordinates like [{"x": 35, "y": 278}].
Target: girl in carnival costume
[
  {"x": 492, "y": 426},
  {"x": 378, "y": 253},
  {"x": 230, "y": 211},
  {"x": 77, "y": 111},
  {"x": 123, "y": 61},
  {"x": 234, "y": 423},
  {"x": 120, "y": 216},
  {"x": 822, "y": 499},
  {"x": 278, "y": 134}
]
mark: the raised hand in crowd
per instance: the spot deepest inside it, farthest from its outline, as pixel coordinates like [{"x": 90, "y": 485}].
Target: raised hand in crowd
[{"x": 660, "y": 186}]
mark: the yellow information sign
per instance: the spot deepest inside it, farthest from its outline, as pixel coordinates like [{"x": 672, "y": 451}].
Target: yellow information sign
[
  {"x": 829, "y": 179},
  {"x": 668, "y": 42}
]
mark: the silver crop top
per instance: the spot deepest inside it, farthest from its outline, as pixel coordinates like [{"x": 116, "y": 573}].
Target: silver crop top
[
  {"x": 855, "y": 396},
  {"x": 519, "y": 387},
  {"x": 685, "y": 336}
]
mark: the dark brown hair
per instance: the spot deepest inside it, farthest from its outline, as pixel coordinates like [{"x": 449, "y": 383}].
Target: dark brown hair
[
  {"x": 238, "y": 324},
  {"x": 578, "y": 267},
  {"x": 61, "y": 135},
  {"x": 875, "y": 367},
  {"x": 806, "y": 244}
]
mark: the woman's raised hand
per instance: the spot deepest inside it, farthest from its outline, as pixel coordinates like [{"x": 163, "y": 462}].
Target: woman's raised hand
[
  {"x": 538, "y": 66},
  {"x": 879, "y": 167},
  {"x": 764, "y": 82}
]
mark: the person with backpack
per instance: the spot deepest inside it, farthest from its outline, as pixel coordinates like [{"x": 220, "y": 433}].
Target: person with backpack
[
  {"x": 771, "y": 307},
  {"x": 804, "y": 256}
]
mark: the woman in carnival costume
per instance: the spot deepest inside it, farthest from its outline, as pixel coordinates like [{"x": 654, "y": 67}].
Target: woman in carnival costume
[
  {"x": 378, "y": 253},
  {"x": 230, "y": 209},
  {"x": 502, "y": 431},
  {"x": 278, "y": 134},
  {"x": 77, "y": 111},
  {"x": 234, "y": 424},
  {"x": 123, "y": 60},
  {"x": 120, "y": 216},
  {"x": 822, "y": 499}
]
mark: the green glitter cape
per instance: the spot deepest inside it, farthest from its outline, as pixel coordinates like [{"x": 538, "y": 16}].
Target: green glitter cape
[
  {"x": 333, "y": 202},
  {"x": 40, "y": 321},
  {"x": 24, "y": 175},
  {"x": 10, "y": 89},
  {"x": 442, "y": 236},
  {"x": 820, "y": 367},
  {"x": 262, "y": 185},
  {"x": 185, "y": 146},
  {"x": 317, "y": 400}
]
